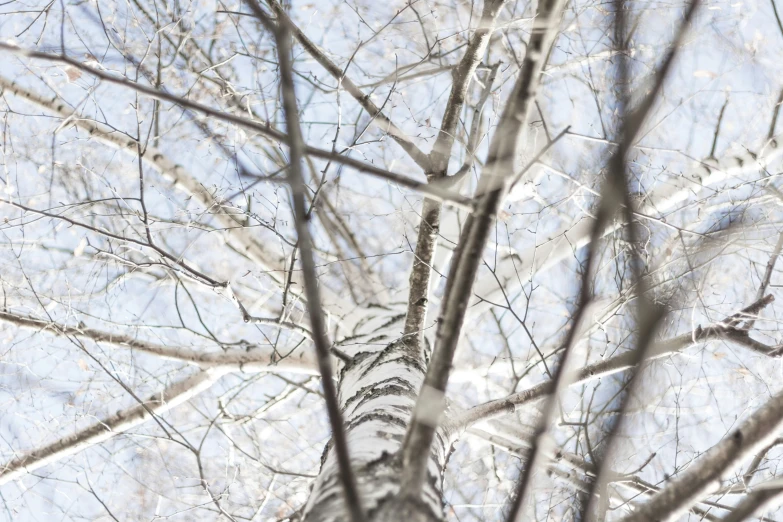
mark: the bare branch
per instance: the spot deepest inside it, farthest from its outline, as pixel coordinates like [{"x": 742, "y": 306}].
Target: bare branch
[
  {"x": 262, "y": 129},
  {"x": 466, "y": 260},
  {"x": 767, "y": 276},
  {"x": 429, "y": 227},
  {"x": 703, "y": 476},
  {"x": 441, "y": 150},
  {"x": 617, "y": 191},
  {"x": 171, "y": 171},
  {"x": 777, "y": 16},
  {"x": 103, "y": 430},
  {"x": 622, "y": 362},
  {"x": 379, "y": 119},
  {"x": 583, "y": 469},
  {"x": 317, "y": 323},
  {"x": 765, "y": 497},
  {"x": 260, "y": 359}
]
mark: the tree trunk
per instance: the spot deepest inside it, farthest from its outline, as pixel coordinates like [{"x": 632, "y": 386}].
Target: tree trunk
[{"x": 377, "y": 393}]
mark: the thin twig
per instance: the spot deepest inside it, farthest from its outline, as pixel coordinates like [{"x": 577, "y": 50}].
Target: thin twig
[
  {"x": 106, "y": 428},
  {"x": 318, "y": 325},
  {"x": 647, "y": 314},
  {"x": 429, "y": 227},
  {"x": 767, "y": 276},
  {"x": 623, "y": 362},
  {"x": 699, "y": 479},
  {"x": 465, "y": 262},
  {"x": 717, "y": 129},
  {"x": 379, "y": 119},
  {"x": 261, "y": 128},
  {"x": 258, "y": 359},
  {"x": 756, "y": 502}
]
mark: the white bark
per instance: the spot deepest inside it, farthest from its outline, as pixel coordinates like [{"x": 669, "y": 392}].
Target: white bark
[{"x": 377, "y": 396}]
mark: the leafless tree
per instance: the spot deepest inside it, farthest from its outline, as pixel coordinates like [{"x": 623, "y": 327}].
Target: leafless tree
[{"x": 403, "y": 261}]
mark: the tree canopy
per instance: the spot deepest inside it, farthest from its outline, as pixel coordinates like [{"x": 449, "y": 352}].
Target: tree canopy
[{"x": 421, "y": 260}]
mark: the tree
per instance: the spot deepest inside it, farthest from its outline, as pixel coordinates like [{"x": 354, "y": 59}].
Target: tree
[{"x": 373, "y": 262}]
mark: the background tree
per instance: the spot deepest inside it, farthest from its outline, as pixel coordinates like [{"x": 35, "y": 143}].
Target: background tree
[{"x": 390, "y": 261}]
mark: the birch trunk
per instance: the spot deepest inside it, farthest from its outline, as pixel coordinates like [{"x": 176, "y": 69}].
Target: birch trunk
[{"x": 377, "y": 394}]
